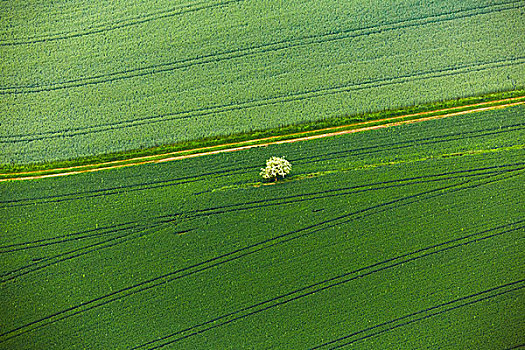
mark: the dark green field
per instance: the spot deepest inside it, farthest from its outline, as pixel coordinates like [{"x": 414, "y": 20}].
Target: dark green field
[
  {"x": 82, "y": 78},
  {"x": 403, "y": 238},
  {"x": 407, "y": 237}
]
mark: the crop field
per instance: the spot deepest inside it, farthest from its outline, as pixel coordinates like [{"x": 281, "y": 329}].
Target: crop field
[
  {"x": 402, "y": 238},
  {"x": 81, "y": 78}
]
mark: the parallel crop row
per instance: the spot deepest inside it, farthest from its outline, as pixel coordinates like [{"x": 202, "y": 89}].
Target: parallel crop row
[
  {"x": 287, "y": 238},
  {"x": 260, "y": 49},
  {"x": 206, "y": 257},
  {"x": 210, "y": 112},
  {"x": 122, "y": 86},
  {"x": 117, "y": 24},
  {"x": 454, "y": 139}
]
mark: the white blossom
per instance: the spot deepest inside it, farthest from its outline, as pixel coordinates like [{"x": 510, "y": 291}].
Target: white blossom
[{"x": 275, "y": 167}]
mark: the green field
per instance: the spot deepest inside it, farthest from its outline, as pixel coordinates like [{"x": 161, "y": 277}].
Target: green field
[
  {"x": 82, "y": 78},
  {"x": 402, "y": 238}
]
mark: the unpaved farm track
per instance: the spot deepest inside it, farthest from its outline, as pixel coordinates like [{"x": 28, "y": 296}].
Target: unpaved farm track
[{"x": 171, "y": 156}]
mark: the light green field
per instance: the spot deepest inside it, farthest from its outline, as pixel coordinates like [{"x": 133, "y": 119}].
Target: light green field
[
  {"x": 81, "y": 78},
  {"x": 402, "y": 238}
]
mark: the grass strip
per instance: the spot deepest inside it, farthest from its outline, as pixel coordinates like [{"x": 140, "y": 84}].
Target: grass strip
[{"x": 291, "y": 132}]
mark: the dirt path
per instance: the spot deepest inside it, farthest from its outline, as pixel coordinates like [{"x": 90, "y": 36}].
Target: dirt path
[{"x": 166, "y": 157}]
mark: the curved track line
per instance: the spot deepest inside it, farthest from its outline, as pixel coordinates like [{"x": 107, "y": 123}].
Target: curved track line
[
  {"x": 156, "y": 222},
  {"x": 242, "y": 252},
  {"x": 363, "y": 150},
  {"x": 515, "y": 284},
  {"x": 79, "y": 235},
  {"x": 147, "y": 186},
  {"x": 168, "y": 157},
  {"x": 324, "y": 285},
  {"x": 254, "y": 50},
  {"x": 263, "y": 102},
  {"x": 292, "y": 199},
  {"x": 101, "y": 28},
  {"x": 78, "y": 252},
  {"x": 401, "y": 145}
]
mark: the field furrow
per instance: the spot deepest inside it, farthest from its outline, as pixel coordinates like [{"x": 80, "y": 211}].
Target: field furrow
[
  {"x": 221, "y": 69},
  {"x": 136, "y": 211},
  {"x": 119, "y": 24},
  {"x": 260, "y": 49},
  {"x": 436, "y": 311},
  {"x": 298, "y": 96}
]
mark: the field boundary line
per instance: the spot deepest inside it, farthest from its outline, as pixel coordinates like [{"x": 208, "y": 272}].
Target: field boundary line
[
  {"x": 268, "y": 141},
  {"x": 294, "y": 97}
]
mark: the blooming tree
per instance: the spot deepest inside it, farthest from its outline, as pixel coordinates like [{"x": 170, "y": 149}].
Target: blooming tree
[{"x": 275, "y": 167}]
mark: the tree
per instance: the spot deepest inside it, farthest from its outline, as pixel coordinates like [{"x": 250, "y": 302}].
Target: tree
[{"x": 275, "y": 167}]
